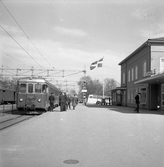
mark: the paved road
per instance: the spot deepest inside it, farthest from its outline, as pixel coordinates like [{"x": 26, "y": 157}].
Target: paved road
[{"x": 86, "y": 137}]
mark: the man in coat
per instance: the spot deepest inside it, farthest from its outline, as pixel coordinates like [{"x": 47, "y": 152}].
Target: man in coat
[
  {"x": 69, "y": 101},
  {"x": 51, "y": 99},
  {"x": 137, "y": 102},
  {"x": 74, "y": 102},
  {"x": 62, "y": 101}
]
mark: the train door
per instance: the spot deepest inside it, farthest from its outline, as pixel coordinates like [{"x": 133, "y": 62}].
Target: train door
[{"x": 45, "y": 95}]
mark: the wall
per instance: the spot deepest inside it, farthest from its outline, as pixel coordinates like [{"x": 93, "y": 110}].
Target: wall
[
  {"x": 157, "y": 52},
  {"x": 137, "y": 60}
]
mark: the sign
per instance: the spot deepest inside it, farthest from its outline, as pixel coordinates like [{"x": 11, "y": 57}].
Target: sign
[
  {"x": 84, "y": 90},
  {"x": 118, "y": 91},
  {"x": 149, "y": 73}
]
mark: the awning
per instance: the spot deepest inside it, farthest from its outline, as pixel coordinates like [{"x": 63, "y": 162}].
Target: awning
[
  {"x": 156, "y": 79},
  {"x": 119, "y": 88}
]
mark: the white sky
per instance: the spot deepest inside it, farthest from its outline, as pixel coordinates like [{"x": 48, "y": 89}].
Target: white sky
[{"x": 72, "y": 34}]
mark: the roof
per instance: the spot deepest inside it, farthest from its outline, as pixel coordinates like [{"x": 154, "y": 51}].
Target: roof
[
  {"x": 35, "y": 80},
  {"x": 159, "y": 78},
  {"x": 119, "y": 88},
  {"x": 148, "y": 42},
  {"x": 31, "y": 79}
]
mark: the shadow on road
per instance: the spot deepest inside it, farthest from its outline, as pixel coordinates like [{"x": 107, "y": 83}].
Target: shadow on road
[
  {"x": 125, "y": 110},
  {"x": 16, "y": 112}
]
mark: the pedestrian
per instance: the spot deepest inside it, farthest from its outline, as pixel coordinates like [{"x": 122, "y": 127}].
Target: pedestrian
[
  {"x": 69, "y": 101},
  {"x": 74, "y": 102},
  {"x": 51, "y": 99},
  {"x": 109, "y": 100},
  {"x": 137, "y": 102},
  {"x": 62, "y": 102},
  {"x": 66, "y": 102},
  {"x": 85, "y": 101}
]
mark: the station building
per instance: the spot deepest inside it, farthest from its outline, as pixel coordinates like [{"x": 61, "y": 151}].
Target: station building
[{"x": 142, "y": 72}]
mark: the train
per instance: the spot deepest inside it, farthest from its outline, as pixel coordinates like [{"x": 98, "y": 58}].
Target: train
[
  {"x": 33, "y": 94},
  {"x": 7, "y": 96}
]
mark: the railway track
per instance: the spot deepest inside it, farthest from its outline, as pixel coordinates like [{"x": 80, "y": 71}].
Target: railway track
[{"x": 9, "y": 119}]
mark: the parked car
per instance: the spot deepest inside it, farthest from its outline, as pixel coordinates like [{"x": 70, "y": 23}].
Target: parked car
[
  {"x": 103, "y": 101},
  {"x": 93, "y": 99}
]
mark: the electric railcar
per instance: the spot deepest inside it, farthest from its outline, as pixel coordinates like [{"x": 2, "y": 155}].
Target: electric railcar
[{"x": 33, "y": 94}]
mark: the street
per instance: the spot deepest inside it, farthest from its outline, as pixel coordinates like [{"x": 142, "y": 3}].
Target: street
[{"x": 89, "y": 136}]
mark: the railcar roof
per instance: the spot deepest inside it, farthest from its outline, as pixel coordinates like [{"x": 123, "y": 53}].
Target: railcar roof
[
  {"x": 28, "y": 79},
  {"x": 35, "y": 79}
]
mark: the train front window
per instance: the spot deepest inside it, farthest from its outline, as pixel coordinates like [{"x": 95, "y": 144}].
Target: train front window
[
  {"x": 30, "y": 88},
  {"x": 38, "y": 88},
  {"x": 22, "y": 88},
  {"x": 44, "y": 88}
]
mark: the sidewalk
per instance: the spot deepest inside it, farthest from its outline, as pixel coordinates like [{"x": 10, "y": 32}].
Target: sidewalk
[{"x": 127, "y": 110}]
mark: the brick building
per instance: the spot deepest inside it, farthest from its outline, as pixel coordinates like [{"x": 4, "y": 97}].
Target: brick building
[{"x": 142, "y": 71}]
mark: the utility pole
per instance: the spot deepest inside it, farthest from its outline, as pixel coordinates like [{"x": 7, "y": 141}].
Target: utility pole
[
  {"x": 84, "y": 91},
  {"x": 84, "y": 70}
]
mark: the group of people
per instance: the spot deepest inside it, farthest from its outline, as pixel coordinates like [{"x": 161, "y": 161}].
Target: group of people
[{"x": 64, "y": 101}]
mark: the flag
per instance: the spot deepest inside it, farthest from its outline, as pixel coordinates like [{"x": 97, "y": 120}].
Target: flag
[
  {"x": 96, "y": 64},
  {"x": 100, "y": 63},
  {"x": 93, "y": 65}
]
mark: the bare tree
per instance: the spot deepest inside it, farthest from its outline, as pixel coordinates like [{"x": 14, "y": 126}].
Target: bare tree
[{"x": 109, "y": 85}]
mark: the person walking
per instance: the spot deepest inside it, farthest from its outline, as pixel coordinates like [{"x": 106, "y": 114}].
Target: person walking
[
  {"x": 137, "y": 102},
  {"x": 51, "y": 99},
  {"x": 109, "y": 100},
  {"x": 66, "y": 102},
  {"x": 69, "y": 101},
  {"x": 74, "y": 102},
  {"x": 62, "y": 102}
]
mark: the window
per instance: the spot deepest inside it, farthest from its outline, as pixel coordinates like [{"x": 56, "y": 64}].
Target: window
[
  {"x": 161, "y": 64},
  {"x": 123, "y": 78},
  {"x": 124, "y": 97},
  {"x": 135, "y": 91},
  {"x": 129, "y": 76},
  {"x": 136, "y": 72},
  {"x": 132, "y": 74},
  {"x": 128, "y": 95},
  {"x": 114, "y": 97},
  {"x": 144, "y": 68},
  {"x": 30, "y": 88},
  {"x": 22, "y": 88},
  {"x": 38, "y": 88},
  {"x": 44, "y": 88},
  {"x": 142, "y": 90},
  {"x": 132, "y": 96}
]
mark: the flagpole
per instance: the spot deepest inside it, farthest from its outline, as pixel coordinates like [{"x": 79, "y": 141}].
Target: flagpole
[
  {"x": 103, "y": 79},
  {"x": 98, "y": 64}
]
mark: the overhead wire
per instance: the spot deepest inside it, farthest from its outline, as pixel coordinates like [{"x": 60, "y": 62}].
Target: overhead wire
[
  {"x": 13, "y": 57},
  {"x": 20, "y": 45},
  {"x": 6, "y": 69},
  {"x": 24, "y": 31},
  {"x": 30, "y": 41}
]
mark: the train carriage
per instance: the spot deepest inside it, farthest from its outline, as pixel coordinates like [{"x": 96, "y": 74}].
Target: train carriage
[{"x": 33, "y": 94}]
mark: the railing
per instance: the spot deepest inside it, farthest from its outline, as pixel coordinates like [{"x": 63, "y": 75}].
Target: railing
[{"x": 10, "y": 107}]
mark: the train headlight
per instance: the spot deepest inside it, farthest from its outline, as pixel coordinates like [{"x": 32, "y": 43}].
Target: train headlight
[
  {"x": 21, "y": 100},
  {"x": 39, "y": 100}
]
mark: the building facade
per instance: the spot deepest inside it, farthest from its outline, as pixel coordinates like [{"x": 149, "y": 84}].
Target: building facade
[{"x": 143, "y": 72}]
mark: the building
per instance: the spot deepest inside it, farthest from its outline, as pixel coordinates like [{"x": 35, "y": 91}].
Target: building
[{"x": 142, "y": 72}]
